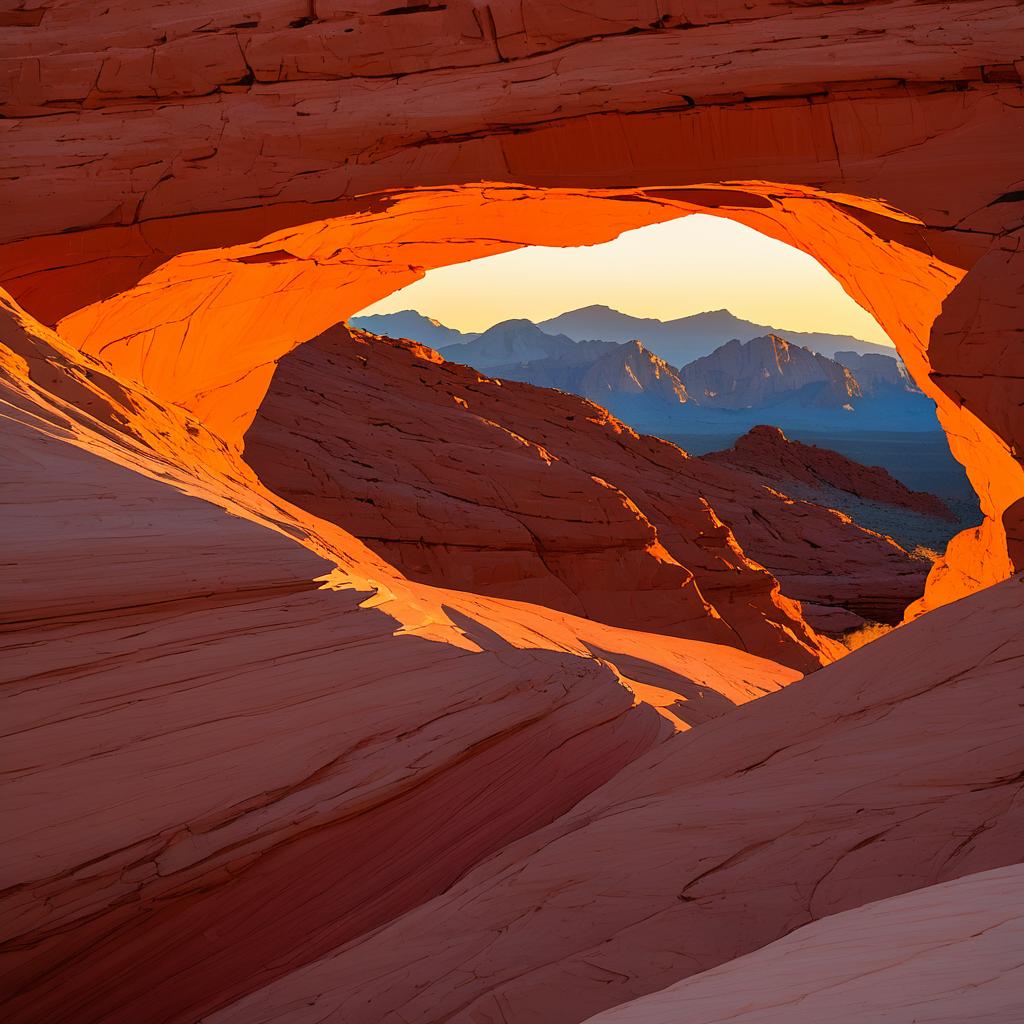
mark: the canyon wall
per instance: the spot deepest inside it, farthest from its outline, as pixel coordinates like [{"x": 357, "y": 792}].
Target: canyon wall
[{"x": 253, "y": 771}]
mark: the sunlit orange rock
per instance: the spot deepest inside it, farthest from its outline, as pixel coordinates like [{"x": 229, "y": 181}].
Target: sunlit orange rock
[
  {"x": 912, "y": 117},
  {"x": 248, "y": 305},
  {"x": 239, "y": 797}
]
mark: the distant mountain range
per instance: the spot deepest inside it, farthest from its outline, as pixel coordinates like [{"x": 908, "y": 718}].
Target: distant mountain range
[
  {"x": 678, "y": 341},
  {"x": 732, "y": 386},
  {"x": 521, "y": 341},
  {"x": 767, "y": 371},
  {"x": 681, "y": 341}
]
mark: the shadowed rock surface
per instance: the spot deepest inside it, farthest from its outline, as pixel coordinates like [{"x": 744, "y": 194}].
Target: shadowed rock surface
[
  {"x": 767, "y": 452},
  {"x": 864, "y": 781}
]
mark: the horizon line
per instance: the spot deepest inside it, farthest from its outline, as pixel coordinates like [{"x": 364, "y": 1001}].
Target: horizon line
[{"x": 598, "y": 305}]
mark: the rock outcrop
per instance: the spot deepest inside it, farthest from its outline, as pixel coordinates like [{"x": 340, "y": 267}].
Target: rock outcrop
[
  {"x": 505, "y": 489},
  {"x": 767, "y": 452}
]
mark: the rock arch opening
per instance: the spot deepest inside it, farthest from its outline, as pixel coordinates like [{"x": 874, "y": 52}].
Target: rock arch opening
[
  {"x": 206, "y": 328},
  {"x": 186, "y": 196}
]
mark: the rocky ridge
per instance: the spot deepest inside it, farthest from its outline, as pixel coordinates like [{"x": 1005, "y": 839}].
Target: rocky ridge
[
  {"x": 767, "y": 452},
  {"x": 510, "y": 490}
]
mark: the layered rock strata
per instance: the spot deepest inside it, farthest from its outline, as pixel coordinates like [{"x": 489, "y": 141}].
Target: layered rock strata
[
  {"x": 212, "y": 696},
  {"x": 507, "y": 489},
  {"x": 862, "y": 782}
]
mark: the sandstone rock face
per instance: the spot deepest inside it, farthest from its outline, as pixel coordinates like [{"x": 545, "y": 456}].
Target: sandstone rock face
[
  {"x": 755, "y": 373},
  {"x": 222, "y": 730},
  {"x": 859, "y": 783},
  {"x": 767, "y": 452},
  {"x": 263, "y": 800},
  {"x": 949, "y": 953},
  {"x": 505, "y": 489},
  {"x": 102, "y": 192}
]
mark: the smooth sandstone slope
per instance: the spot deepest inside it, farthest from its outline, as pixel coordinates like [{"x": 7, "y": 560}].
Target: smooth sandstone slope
[
  {"x": 945, "y": 954},
  {"x": 234, "y": 737},
  {"x": 504, "y": 488},
  {"x": 895, "y": 769},
  {"x": 195, "y": 169}
]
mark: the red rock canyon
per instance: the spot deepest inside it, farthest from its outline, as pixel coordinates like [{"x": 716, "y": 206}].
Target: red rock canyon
[{"x": 344, "y": 683}]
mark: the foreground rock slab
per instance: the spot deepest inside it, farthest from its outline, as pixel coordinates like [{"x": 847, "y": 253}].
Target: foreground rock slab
[
  {"x": 946, "y": 954},
  {"x": 233, "y": 737},
  {"x": 894, "y": 769}
]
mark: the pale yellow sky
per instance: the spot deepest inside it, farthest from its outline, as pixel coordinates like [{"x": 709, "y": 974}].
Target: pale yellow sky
[{"x": 685, "y": 266}]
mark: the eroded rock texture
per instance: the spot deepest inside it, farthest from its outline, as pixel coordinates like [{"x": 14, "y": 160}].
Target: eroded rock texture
[
  {"x": 237, "y": 795},
  {"x": 506, "y": 489},
  {"x": 210, "y": 716},
  {"x": 889, "y": 119}
]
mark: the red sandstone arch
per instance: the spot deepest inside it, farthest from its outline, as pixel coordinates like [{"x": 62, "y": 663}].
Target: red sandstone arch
[
  {"x": 204, "y": 330},
  {"x": 195, "y": 166},
  {"x": 134, "y": 147}
]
